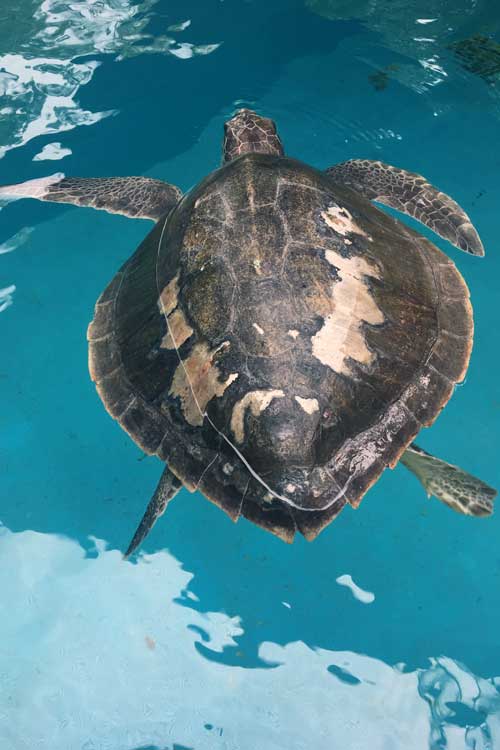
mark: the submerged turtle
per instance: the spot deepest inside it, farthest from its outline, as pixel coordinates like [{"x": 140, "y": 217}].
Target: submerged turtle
[{"x": 277, "y": 339}]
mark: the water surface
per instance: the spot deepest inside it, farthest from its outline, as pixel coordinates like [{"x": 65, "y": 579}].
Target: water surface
[{"x": 219, "y": 635}]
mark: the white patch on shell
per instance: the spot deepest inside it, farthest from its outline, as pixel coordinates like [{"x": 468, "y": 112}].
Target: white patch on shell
[
  {"x": 257, "y": 402},
  {"x": 258, "y": 328},
  {"x": 178, "y": 332},
  {"x": 196, "y": 382},
  {"x": 310, "y": 405},
  {"x": 341, "y": 336},
  {"x": 293, "y": 333},
  {"x": 168, "y": 298},
  {"x": 340, "y": 220},
  {"x": 290, "y": 487}
]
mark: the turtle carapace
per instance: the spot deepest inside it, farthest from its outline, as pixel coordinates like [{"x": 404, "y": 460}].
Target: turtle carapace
[{"x": 278, "y": 340}]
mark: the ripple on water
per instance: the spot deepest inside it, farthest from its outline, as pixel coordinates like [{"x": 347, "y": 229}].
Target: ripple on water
[{"x": 37, "y": 60}]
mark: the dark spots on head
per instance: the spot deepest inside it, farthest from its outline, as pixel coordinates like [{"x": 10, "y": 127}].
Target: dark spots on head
[{"x": 247, "y": 132}]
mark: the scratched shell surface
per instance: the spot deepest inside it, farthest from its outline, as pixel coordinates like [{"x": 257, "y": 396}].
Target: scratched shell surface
[{"x": 279, "y": 341}]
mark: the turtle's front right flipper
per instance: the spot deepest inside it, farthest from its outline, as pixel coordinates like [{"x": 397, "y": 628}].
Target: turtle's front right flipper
[
  {"x": 135, "y": 197},
  {"x": 450, "y": 484}
]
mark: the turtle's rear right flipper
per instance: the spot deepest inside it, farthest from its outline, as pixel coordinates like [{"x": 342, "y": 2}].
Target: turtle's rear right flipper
[
  {"x": 453, "y": 486},
  {"x": 135, "y": 197}
]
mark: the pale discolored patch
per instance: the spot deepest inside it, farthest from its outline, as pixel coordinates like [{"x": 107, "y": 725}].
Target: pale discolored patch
[
  {"x": 293, "y": 333},
  {"x": 341, "y": 336},
  {"x": 178, "y": 332},
  {"x": 340, "y": 220},
  {"x": 256, "y": 401},
  {"x": 257, "y": 264},
  {"x": 168, "y": 298},
  {"x": 38, "y": 188},
  {"x": 258, "y": 328},
  {"x": 196, "y": 382},
  {"x": 310, "y": 405}
]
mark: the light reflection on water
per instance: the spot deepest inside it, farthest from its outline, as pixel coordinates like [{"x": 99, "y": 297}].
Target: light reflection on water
[
  {"x": 109, "y": 651},
  {"x": 39, "y": 80}
]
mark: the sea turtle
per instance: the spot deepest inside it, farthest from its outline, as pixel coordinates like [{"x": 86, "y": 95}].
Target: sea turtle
[{"x": 277, "y": 339}]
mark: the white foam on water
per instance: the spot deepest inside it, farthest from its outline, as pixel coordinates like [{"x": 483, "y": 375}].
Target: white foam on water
[
  {"x": 6, "y": 297},
  {"x": 16, "y": 240},
  {"x": 179, "y": 26}
]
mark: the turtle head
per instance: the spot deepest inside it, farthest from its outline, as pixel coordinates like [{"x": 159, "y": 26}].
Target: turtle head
[{"x": 248, "y": 132}]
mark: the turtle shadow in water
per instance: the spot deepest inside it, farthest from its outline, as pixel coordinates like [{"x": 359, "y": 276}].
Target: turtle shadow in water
[
  {"x": 148, "y": 129},
  {"x": 381, "y": 78},
  {"x": 480, "y": 55}
]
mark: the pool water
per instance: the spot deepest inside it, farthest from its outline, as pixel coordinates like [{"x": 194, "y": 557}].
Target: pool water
[{"x": 220, "y": 636}]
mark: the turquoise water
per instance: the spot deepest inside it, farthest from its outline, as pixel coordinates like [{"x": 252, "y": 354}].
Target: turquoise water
[{"x": 219, "y": 636}]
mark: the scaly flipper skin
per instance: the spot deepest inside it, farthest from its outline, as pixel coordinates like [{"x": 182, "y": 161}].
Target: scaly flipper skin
[
  {"x": 450, "y": 484},
  {"x": 135, "y": 197},
  {"x": 168, "y": 487},
  {"x": 411, "y": 194}
]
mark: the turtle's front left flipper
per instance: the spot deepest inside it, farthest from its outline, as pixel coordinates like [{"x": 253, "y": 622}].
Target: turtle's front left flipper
[
  {"x": 411, "y": 194},
  {"x": 168, "y": 487},
  {"x": 455, "y": 487},
  {"x": 135, "y": 197}
]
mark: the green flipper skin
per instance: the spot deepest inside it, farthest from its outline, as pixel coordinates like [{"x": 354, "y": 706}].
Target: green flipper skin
[
  {"x": 411, "y": 194},
  {"x": 134, "y": 197},
  {"x": 450, "y": 484},
  {"x": 168, "y": 487}
]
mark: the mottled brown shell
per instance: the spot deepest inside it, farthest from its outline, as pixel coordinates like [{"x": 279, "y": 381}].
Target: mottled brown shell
[{"x": 279, "y": 341}]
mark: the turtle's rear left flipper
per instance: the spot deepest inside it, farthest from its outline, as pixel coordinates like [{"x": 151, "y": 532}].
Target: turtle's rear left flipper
[
  {"x": 168, "y": 487},
  {"x": 455, "y": 487},
  {"x": 135, "y": 197},
  {"x": 411, "y": 194}
]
